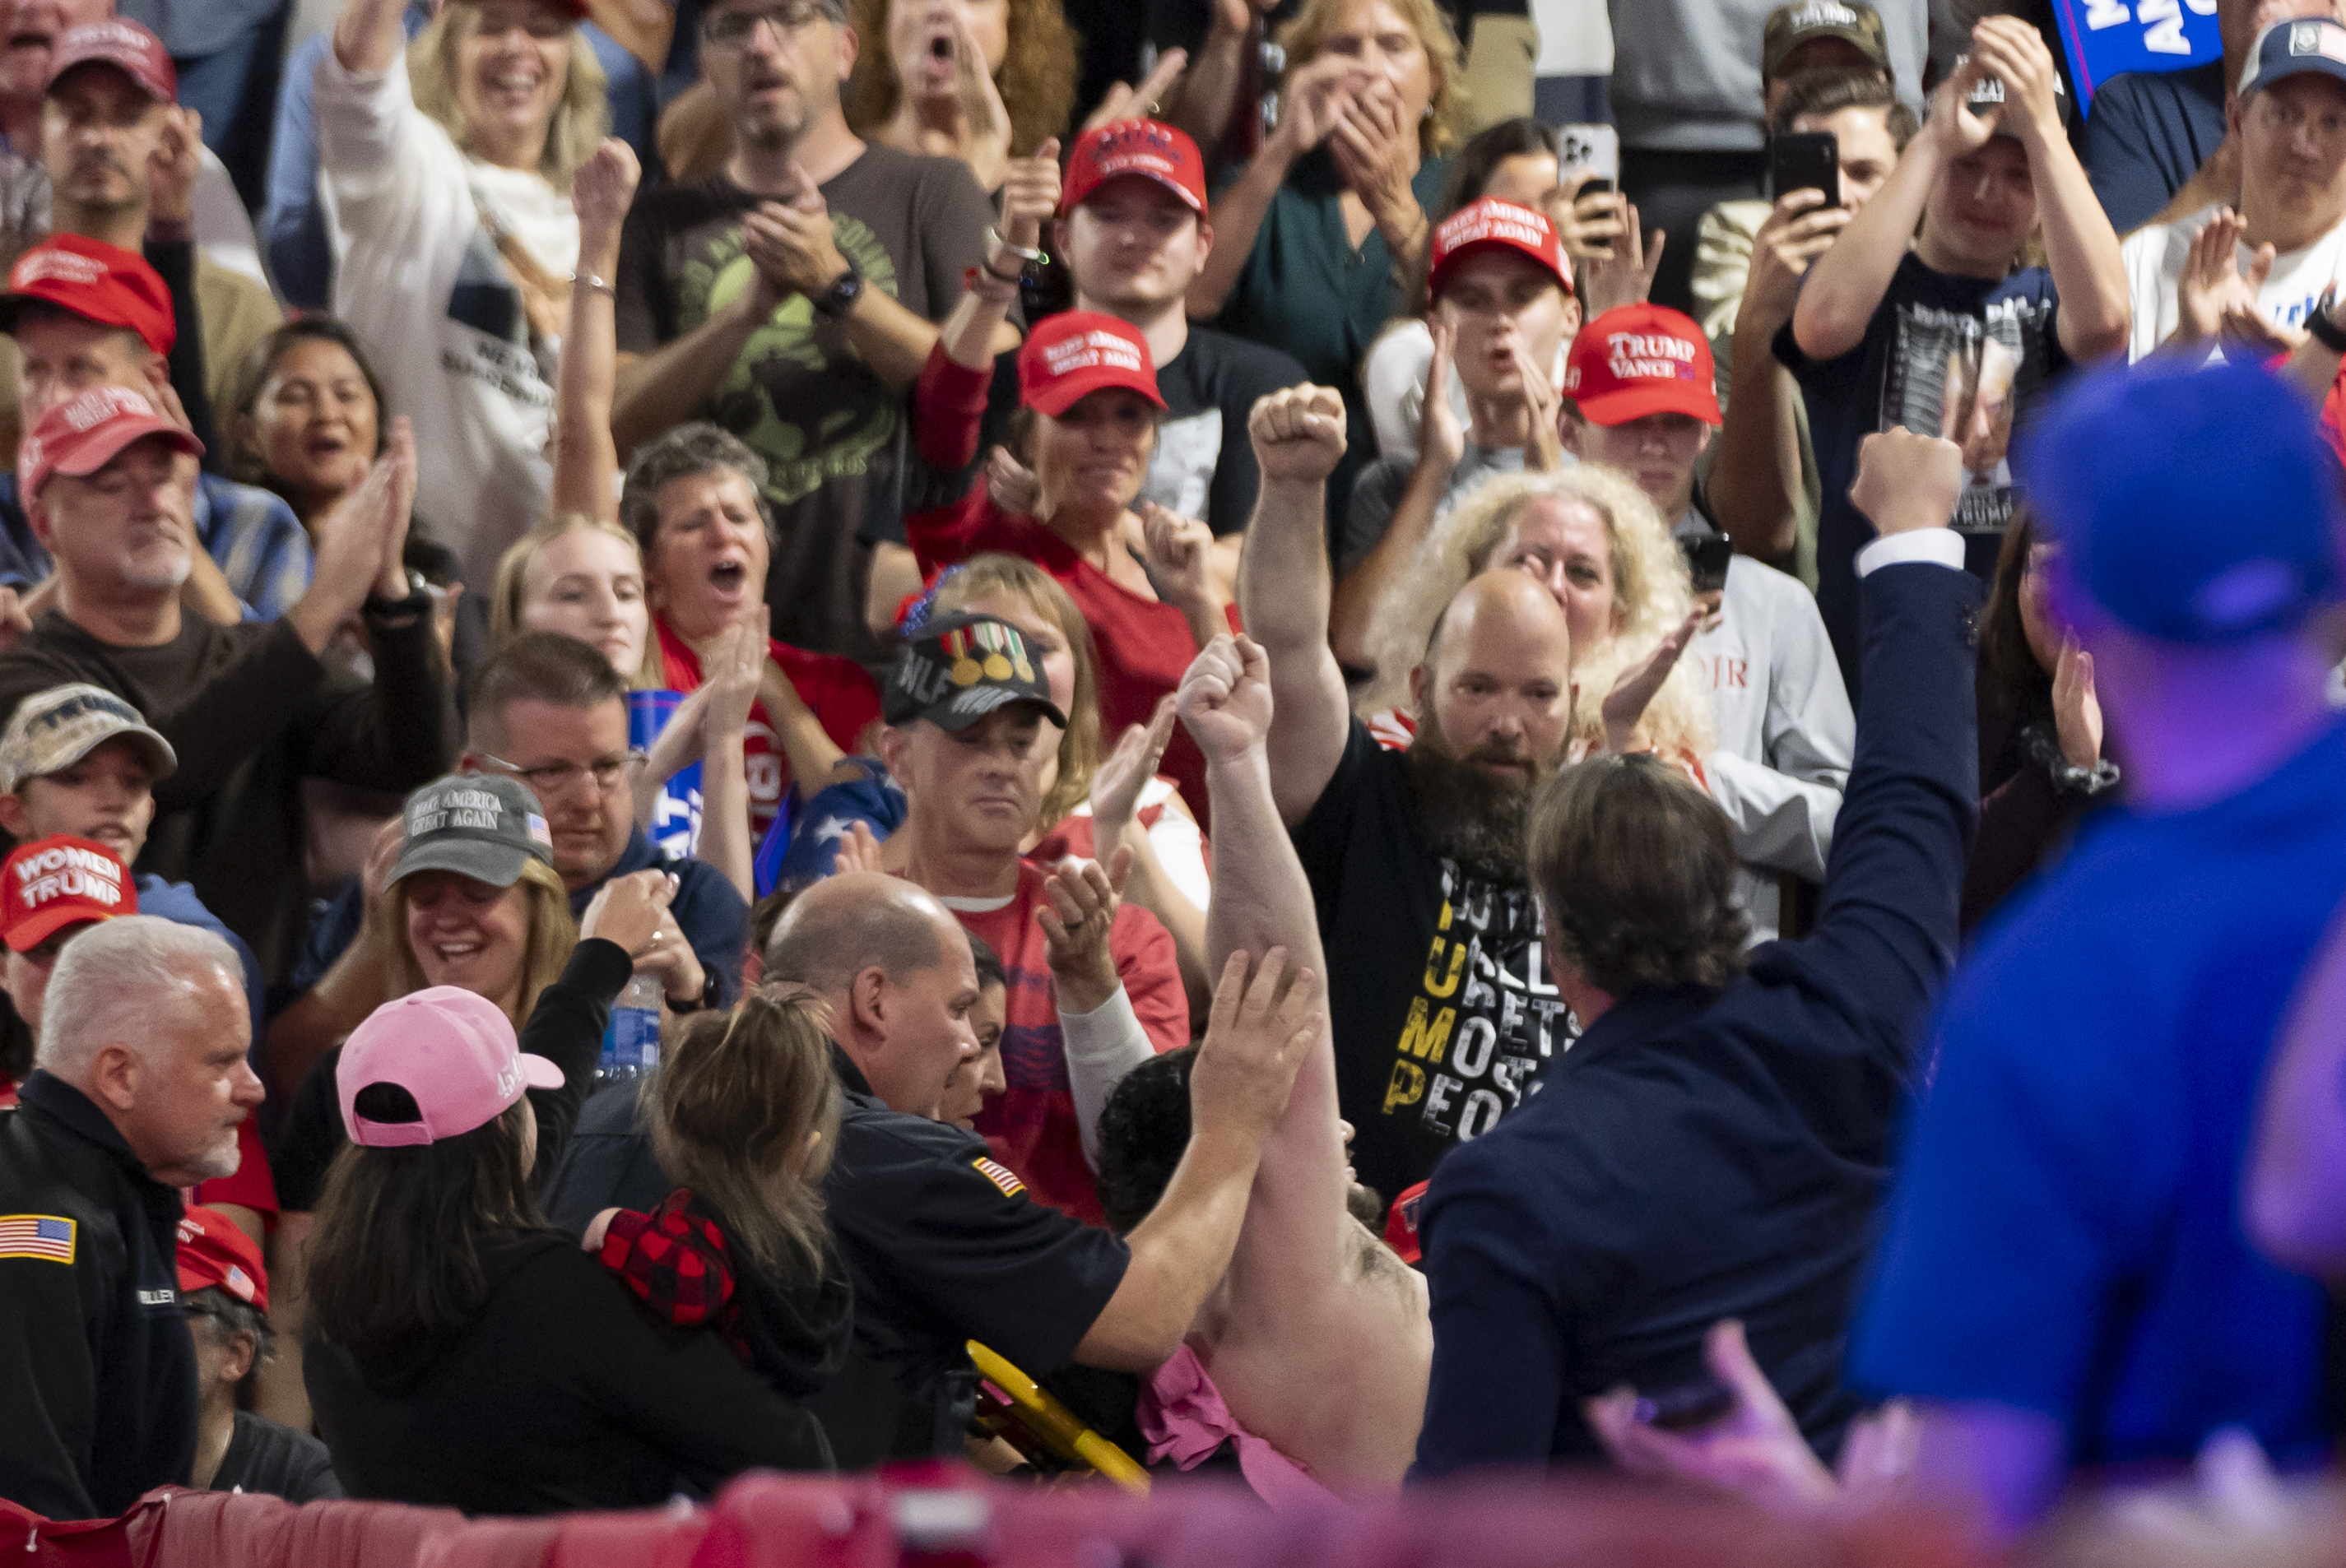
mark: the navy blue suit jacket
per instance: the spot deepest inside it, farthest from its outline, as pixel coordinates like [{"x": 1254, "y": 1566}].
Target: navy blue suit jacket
[{"x": 1699, "y": 1155}]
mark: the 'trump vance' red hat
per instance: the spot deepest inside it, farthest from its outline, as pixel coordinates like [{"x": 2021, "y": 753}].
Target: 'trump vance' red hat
[
  {"x": 86, "y": 432},
  {"x": 1638, "y": 360},
  {"x": 1077, "y": 352},
  {"x": 1150, "y": 148},
  {"x": 1492, "y": 223},
  {"x": 97, "y": 281},
  {"x": 215, "y": 1255},
  {"x": 124, "y": 45},
  {"x": 57, "y": 882}
]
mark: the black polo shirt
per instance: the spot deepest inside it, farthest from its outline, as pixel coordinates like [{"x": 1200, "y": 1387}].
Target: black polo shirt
[{"x": 943, "y": 1245}]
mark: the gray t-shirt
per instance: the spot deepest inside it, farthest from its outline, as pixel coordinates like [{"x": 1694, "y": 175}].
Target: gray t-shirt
[{"x": 1378, "y": 492}]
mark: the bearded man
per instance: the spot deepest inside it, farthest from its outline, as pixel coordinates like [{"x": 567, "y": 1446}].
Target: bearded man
[{"x": 1442, "y": 1010}]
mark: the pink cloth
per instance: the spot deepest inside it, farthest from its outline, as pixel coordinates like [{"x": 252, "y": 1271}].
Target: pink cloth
[{"x": 1182, "y": 1415}]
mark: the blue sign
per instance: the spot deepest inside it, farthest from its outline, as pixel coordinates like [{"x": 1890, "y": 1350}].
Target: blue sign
[{"x": 2103, "y": 37}]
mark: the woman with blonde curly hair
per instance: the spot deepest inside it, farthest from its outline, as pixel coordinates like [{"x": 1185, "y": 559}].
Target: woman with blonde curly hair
[
  {"x": 1595, "y": 541},
  {"x": 984, "y": 81},
  {"x": 450, "y": 162},
  {"x": 1591, "y": 536},
  {"x": 1309, "y": 239}
]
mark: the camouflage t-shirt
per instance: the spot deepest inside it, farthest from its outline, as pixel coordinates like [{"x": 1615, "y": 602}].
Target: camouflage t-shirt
[{"x": 832, "y": 433}]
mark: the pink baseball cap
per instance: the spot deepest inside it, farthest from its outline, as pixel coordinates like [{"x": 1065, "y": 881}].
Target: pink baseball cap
[
  {"x": 124, "y": 45},
  {"x": 1494, "y": 224},
  {"x": 453, "y": 1051}
]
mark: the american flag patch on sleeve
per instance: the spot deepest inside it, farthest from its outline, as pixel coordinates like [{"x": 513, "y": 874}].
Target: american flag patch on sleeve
[
  {"x": 1000, "y": 1175},
  {"x": 40, "y": 1236}
]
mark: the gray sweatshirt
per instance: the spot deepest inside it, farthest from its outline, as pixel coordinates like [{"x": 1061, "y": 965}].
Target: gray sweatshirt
[{"x": 1686, "y": 72}]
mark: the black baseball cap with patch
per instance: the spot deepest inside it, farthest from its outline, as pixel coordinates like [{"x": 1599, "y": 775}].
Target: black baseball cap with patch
[{"x": 962, "y": 668}]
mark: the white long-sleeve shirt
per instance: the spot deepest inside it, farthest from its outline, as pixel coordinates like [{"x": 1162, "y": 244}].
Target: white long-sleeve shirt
[
  {"x": 418, "y": 276},
  {"x": 1785, "y": 731}
]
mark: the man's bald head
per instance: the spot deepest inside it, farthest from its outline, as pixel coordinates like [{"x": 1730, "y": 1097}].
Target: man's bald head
[
  {"x": 895, "y": 965},
  {"x": 858, "y": 921},
  {"x": 1495, "y": 687}
]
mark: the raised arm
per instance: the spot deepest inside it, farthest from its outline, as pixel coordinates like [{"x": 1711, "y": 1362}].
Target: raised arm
[
  {"x": 1259, "y": 1033},
  {"x": 2081, "y": 248},
  {"x": 1308, "y": 111},
  {"x": 1284, "y": 589},
  {"x": 1845, "y": 286},
  {"x": 1755, "y": 475},
  {"x": 1888, "y": 920},
  {"x": 1441, "y": 447},
  {"x": 368, "y": 36},
  {"x": 1292, "y": 1247},
  {"x": 586, "y": 460}
]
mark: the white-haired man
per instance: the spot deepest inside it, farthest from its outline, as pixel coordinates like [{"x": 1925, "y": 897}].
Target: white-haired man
[{"x": 138, "y": 1089}]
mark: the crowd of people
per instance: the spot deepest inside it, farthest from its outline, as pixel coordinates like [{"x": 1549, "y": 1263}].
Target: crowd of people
[{"x": 768, "y": 703}]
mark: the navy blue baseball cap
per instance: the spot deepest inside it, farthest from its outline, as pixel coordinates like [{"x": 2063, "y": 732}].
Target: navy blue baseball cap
[
  {"x": 2289, "y": 48},
  {"x": 2193, "y": 507}
]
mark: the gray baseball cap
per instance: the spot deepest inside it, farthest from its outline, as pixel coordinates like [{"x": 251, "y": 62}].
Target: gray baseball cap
[
  {"x": 55, "y": 728},
  {"x": 478, "y": 825}
]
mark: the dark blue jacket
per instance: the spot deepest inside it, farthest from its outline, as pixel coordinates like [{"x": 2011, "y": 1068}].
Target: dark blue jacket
[{"x": 1698, "y": 1156}]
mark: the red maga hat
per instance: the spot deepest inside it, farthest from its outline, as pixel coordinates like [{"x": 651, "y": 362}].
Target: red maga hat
[
  {"x": 1493, "y": 224},
  {"x": 215, "y": 1255},
  {"x": 86, "y": 433},
  {"x": 1149, "y": 148},
  {"x": 1077, "y": 352},
  {"x": 1638, "y": 360},
  {"x": 96, "y": 281},
  {"x": 122, "y": 44}
]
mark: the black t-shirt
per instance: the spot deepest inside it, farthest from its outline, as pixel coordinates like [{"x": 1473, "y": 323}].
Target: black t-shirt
[
  {"x": 943, "y": 1246},
  {"x": 1437, "y": 988},
  {"x": 831, "y": 431},
  {"x": 563, "y": 1393},
  {"x": 308, "y": 1137},
  {"x": 1935, "y": 342},
  {"x": 265, "y": 1457},
  {"x": 1205, "y": 467}
]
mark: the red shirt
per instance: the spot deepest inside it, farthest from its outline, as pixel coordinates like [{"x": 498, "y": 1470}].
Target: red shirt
[
  {"x": 1142, "y": 647},
  {"x": 1031, "y": 1126},
  {"x": 837, "y": 691}
]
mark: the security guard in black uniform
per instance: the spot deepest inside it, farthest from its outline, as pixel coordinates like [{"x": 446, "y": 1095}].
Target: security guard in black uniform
[
  {"x": 98, "y": 1372},
  {"x": 943, "y": 1244}
]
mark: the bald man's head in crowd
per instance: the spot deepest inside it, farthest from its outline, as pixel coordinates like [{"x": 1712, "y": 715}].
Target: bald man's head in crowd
[{"x": 893, "y": 966}]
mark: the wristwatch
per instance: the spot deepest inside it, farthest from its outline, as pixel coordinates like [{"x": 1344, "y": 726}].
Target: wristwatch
[
  {"x": 706, "y": 998},
  {"x": 418, "y": 600},
  {"x": 2325, "y": 331},
  {"x": 840, "y": 298}
]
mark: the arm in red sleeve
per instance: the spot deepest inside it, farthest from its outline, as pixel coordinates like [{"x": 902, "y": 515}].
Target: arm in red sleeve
[{"x": 949, "y": 401}]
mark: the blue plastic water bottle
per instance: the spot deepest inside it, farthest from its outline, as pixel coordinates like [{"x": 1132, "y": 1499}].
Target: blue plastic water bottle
[{"x": 631, "y": 1044}]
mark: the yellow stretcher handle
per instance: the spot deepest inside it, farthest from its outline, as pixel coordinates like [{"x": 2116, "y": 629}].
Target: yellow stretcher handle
[{"x": 1057, "y": 1425}]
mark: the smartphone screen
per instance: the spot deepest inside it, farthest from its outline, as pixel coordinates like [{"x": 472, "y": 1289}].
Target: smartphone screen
[
  {"x": 1706, "y": 556},
  {"x": 1806, "y": 160}
]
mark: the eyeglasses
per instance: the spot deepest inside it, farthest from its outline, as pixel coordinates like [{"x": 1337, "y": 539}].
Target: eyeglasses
[
  {"x": 733, "y": 29},
  {"x": 557, "y": 779}
]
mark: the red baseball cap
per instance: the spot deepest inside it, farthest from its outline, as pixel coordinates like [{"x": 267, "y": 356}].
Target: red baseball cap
[
  {"x": 1401, "y": 1222},
  {"x": 57, "y": 882},
  {"x": 1077, "y": 352},
  {"x": 1492, "y": 223},
  {"x": 89, "y": 431},
  {"x": 95, "y": 280},
  {"x": 1149, "y": 148},
  {"x": 1638, "y": 360},
  {"x": 215, "y": 1255},
  {"x": 124, "y": 45}
]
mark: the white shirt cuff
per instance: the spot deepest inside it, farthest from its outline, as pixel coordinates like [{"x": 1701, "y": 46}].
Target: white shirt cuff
[{"x": 1938, "y": 546}]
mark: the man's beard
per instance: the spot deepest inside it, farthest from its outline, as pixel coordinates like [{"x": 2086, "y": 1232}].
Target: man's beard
[
  {"x": 1362, "y": 1203},
  {"x": 1471, "y": 815}
]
